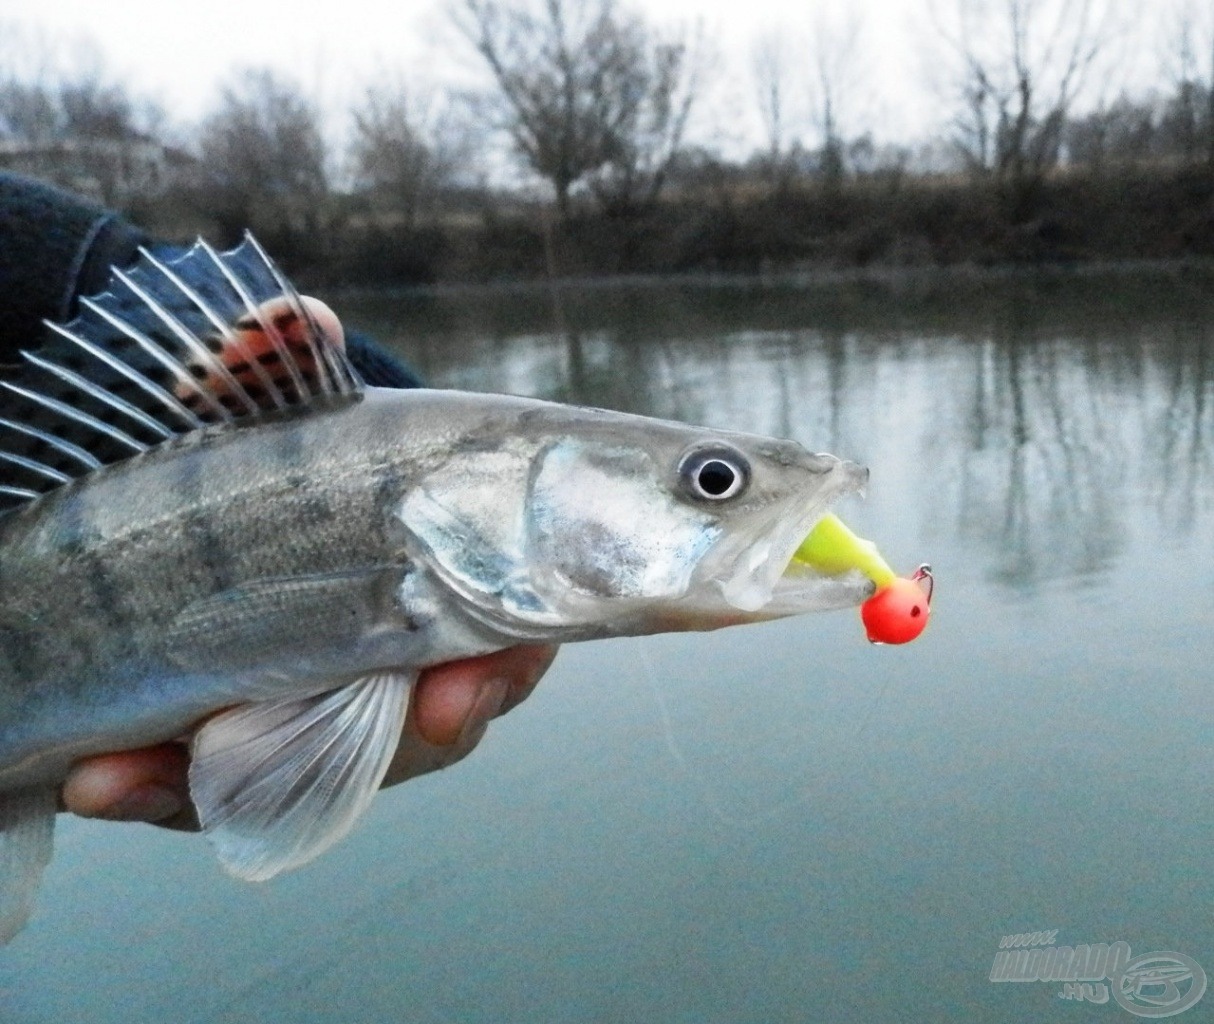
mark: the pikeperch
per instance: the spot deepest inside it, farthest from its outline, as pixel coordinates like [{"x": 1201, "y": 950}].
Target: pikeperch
[{"x": 203, "y": 508}]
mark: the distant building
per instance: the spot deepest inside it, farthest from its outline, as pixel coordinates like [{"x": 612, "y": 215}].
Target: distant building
[{"x": 112, "y": 170}]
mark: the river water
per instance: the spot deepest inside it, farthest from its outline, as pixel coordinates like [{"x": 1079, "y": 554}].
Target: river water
[{"x": 779, "y": 822}]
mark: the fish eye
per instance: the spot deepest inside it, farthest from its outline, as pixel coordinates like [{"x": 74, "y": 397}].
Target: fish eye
[{"x": 714, "y": 474}]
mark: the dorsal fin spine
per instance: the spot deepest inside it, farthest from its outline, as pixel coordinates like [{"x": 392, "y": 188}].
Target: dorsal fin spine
[
  {"x": 186, "y": 336},
  {"x": 342, "y": 378},
  {"x": 89, "y": 462},
  {"x": 319, "y": 359},
  {"x": 171, "y": 348},
  {"x": 233, "y": 337},
  {"x": 34, "y": 466},
  {"x": 118, "y": 366},
  {"x": 18, "y": 492},
  {"x": 271, "y": 332},
  {"x": 66, "y": 411},
  {"x": 169, "y": 362},
  {"x": 100, "y": 394}
]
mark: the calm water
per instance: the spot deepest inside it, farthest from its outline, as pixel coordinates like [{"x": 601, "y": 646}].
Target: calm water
[{"x": 776, "y": 823}]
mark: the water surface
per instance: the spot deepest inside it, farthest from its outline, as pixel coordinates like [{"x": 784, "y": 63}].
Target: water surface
[{"x": 776, "y": 823}]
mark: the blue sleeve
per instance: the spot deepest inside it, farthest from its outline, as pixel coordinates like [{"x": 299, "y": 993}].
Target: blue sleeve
[{"x": 55, "y": 246}]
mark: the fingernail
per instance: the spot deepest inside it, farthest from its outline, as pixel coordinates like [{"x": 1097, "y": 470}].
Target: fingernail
[
  {"x": 537, "y": 673},
  {"x": 147, "y": 803},
  {"x": 522, "y": 688},
  {"x": 488, "y": 703}
]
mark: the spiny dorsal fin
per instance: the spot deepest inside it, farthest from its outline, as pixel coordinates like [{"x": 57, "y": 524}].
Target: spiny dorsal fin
[{"x": 169, "y": 348}]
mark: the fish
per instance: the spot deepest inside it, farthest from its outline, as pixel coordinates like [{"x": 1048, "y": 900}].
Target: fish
[{"x": 207, "y": 515}]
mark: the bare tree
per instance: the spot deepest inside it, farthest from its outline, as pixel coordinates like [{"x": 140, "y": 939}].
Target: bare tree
[
  {"x": 655, "y": 91},
  {"x": 772, "y": 69},
  {"x": 1189, "y": 60},
  {"x": 29, "y": 113},
  {"x": 64, "y": 118},
  {"x": 837, "y": 74},
  {"x": 815, "y": 80},
  {"x": 32, "y": 64},
  {"x": 1124, "y": 132},
  {"x": 584, "y": 90},
  {"x": 56, "y": 88},
  {"x": 264, "y": 161},
  {"x": 1019, "y": 66},
  {"x": 405, "y": 150}
]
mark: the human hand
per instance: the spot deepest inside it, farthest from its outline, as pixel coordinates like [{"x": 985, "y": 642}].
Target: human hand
[{"x": 449, "y": 710}]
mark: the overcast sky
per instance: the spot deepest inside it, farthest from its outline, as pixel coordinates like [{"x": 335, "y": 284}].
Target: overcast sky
[{"x": 335, "y": 46}]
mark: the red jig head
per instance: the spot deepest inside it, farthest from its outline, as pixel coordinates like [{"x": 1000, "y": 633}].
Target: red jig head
[{"x": 899, "y": 610}]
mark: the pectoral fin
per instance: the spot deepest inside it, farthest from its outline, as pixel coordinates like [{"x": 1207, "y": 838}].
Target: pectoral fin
[
  {"x": 27, "y": 827},
  {"x": 281, "y": 617},
  {"x": 277, "y": 784}
]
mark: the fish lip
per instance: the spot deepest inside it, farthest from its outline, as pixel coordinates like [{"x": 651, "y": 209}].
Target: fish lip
[
  {"x": 762, "y": 578},
  {"x": 801, "y": 588}
]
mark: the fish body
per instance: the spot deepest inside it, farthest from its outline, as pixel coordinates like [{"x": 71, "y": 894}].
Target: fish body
[{"x": 278, "y": 543}]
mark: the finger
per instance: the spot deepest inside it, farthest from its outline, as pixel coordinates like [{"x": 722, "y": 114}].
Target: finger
[
  {"x": 449, "y": 698},
  {"x": 449, "y": 711},
  {"x": 528, "y": 664},
  {"x": 135, "y": 785},
  {"x": 452, "y": 705}
]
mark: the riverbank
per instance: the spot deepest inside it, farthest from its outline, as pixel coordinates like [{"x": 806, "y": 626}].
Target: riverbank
[
  {"x": 885, "y": 228},
  {"x": 1093, "y": 301}
]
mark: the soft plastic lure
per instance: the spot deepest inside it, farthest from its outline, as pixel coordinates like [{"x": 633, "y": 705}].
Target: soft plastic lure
[{"x": 899, "y": 610}]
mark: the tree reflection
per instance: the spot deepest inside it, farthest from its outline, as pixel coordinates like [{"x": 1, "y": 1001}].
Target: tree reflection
[
  {"x": 1043, "y": 473},
  {"x": 1183, "y": 426},
  {"x": 1045, "y": 424}
]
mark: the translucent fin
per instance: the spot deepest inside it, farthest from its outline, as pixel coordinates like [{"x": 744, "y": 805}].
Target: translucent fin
[
  {"x": 277, "y": 784},
  {"x": 190, "y": 342},
  {"x": 34, "y": 466},
  {"x": 56, "y": 444},
  {"x": 332, "y": 611},
  {"x": 336, "y": 374},
  {"x": 27, "y": 828},
  {"x": 171, "y": 347},
  {"x": 77, "y": 417},
  {"x": 170, "y": 401},
  {"x": 99, "y": 393},
  {"x": 23, "y": 493},
  {"x": 231, "y": 338}
]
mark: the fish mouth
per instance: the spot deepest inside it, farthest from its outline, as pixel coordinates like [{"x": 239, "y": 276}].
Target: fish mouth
[{"x": 761, "y": 578}]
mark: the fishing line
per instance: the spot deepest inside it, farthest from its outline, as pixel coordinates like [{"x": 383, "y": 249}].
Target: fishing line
[{"x": 805, "y": 793}]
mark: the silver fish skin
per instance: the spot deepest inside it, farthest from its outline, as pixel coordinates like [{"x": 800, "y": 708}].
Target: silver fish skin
[{"x": 298, "y": 566}]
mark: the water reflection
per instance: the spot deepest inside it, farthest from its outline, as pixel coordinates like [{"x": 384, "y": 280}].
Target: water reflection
[
  {"x": 1042, "y": 418},
  {"x": 1184, "y": 424},
  {"x": 1044, "y": 462},
  {"x": 822, "y": 829}
]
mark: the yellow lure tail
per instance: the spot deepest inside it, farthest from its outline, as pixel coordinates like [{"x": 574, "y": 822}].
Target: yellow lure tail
[{"x": 831, "y": 548}]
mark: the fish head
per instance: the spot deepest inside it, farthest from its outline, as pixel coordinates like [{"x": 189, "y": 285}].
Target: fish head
[{"x": 591, "y": 523}]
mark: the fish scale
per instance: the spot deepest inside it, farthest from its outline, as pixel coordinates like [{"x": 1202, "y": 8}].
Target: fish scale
[{"x": 210, "y": 517}]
